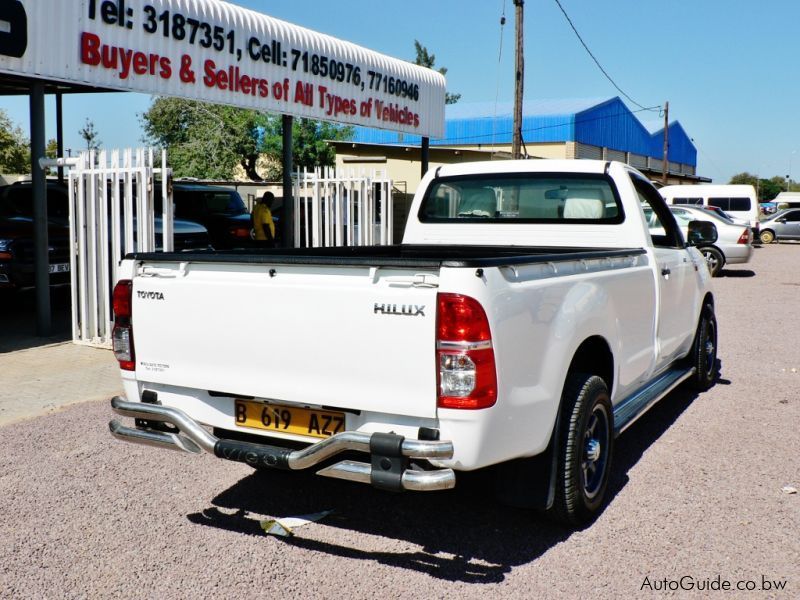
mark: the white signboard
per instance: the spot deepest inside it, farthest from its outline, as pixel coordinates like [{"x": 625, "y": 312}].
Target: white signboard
[{"x": 214, "y": 51}]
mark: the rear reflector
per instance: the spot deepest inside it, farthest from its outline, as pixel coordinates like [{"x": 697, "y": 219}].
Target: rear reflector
[
  {"x": 240, "y": 232},
  {"x": 122, "y": 335},
  {"x": 464, "y": 354}
]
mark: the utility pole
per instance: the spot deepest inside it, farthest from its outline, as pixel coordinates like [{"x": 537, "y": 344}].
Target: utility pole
[
  {"x": 665, "y": 165},
  {"x": 516, "y": 141}
]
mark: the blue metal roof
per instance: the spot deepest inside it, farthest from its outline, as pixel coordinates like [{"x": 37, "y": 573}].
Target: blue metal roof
[{"x": 600, "y": 122}]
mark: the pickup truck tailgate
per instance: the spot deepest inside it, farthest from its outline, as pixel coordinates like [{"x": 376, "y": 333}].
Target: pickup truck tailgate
[{"x": 353, "y": 337}]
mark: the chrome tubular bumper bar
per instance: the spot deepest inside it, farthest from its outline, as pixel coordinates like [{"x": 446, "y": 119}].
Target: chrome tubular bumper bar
[{"x": 390, "y": 453}]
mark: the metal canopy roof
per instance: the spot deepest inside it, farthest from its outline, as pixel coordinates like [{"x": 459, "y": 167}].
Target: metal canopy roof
[{"x": 18, "y": 85}]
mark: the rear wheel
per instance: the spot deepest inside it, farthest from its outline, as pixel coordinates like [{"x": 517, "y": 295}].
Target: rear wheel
[
  {"x": 714, "y": 259},
  {"x": 704, "y": 351},
  {"x": 584, "y": 455},
  {"x": 767, "y": 236}
]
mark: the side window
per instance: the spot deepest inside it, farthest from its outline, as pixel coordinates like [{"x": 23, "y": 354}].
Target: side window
[
  {"x": 740, "y": 204},
  {"x": 660, "y": 222},
  {"x": 719, "y": 203},
  {"x": 694, "y": 201},
  {"x": 186, "y": 206},
  {"x": 793, "y": 216}
]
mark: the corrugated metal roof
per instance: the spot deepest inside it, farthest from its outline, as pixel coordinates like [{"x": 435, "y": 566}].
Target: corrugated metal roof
[{"x": 607, "y": 123}]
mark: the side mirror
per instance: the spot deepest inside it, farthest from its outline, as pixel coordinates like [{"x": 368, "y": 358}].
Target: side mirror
[
  {"x": 782, "y": 221},
  {"x": 702, "y": 233}
]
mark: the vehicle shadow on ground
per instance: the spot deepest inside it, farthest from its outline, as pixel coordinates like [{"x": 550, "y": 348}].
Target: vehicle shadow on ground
[
  {"x": 462, "y": 534},
  {"x": 737, "y": 273},
  {"x": 18, "y": 320}
]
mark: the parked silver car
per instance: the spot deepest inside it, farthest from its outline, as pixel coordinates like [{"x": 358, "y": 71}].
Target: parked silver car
[
  {"x": 734, "y": 241},
  {"x": 783, "y": 225}
]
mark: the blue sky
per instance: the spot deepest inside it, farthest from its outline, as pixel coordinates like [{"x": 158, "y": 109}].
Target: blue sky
[{"x": 726, "y": 67}]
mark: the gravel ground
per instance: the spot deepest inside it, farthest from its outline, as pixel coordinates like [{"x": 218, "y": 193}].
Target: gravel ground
[{"x": 697, "y": 493}]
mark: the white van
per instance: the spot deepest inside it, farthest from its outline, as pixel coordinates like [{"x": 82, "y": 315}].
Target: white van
[
  {"x": 737, "y": 200},
  {"x": 787, "y": 200}
]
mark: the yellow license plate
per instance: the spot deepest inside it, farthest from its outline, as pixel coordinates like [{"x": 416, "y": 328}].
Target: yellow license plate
[{"x": 288, "y": 419}]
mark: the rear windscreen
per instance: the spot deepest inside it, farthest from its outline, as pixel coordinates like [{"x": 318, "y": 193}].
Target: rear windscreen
[{"x": 528, "y": 197}]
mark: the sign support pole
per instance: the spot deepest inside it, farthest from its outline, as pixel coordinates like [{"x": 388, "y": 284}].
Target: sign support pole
[
  {"x": 288, "y": 204},
  {"x": 41, "y": 258},
  {"x": 426, "y": 146}
]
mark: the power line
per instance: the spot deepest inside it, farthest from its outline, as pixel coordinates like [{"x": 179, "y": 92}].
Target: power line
[
  {"x": 499, "y": 63},
  {"x": 599, "y": 66}
]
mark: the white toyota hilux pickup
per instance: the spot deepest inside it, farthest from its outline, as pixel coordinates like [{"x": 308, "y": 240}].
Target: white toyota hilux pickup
[{"x": 529, "y": 316}]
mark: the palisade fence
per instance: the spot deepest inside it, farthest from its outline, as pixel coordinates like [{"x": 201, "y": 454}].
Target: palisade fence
[
  {"x": 340, "y": 207},
  {"x": 112, "y": 212}
]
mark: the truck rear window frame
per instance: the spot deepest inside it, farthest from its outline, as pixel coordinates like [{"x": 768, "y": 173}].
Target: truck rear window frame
[{"x": 616, "y": 220}]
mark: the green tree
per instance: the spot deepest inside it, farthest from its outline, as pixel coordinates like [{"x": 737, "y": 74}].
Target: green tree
[
  {"x": 15, "y": 154},
  {"x": 744, "y": 178},
  {"x": 209, "y": 141},
  {"x": 308, "y": 141},
  {"x": 90, "y": 135},
  {"x": 426, "y": 59},
  {"x": 51, "y": 148},
  {"x": 767, "y": 188}
]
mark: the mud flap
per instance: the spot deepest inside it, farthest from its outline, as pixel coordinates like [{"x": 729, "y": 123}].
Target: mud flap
[{"x": 530, "y": 482}]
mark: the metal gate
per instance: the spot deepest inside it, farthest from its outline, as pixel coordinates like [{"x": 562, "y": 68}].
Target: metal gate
[
  {"x": 112, "y": 212},
  {"x": 338, "y": 208}
]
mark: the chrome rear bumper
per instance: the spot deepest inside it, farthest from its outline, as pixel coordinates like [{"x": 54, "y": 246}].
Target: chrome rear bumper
[{"x": 390, "y": 453}]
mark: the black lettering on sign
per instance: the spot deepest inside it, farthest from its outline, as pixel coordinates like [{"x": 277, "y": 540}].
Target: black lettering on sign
[{"x": 13, "y": 28}]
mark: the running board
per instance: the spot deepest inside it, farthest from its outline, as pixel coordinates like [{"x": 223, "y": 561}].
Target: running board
[{"x": 634, "y": 406}]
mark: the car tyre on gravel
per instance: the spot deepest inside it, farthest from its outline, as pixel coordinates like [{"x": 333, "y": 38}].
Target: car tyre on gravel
[
  {"x": 767, "y": 236},
  {"x": 585, "y": 450},
  {"x": 704, "y": 351},
  {"x": 714, "y": 259}
]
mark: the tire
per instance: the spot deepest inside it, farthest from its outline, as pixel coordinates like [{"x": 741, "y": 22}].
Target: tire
[
  {"x": 714, "y": 259},
  {"x": 767, "y": 236},
  {"x": 704, "y": 351},
  {"x": 585, "y": 450}
]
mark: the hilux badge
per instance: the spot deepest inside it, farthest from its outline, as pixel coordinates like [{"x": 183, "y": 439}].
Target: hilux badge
[{"x": 409, "y": 310}]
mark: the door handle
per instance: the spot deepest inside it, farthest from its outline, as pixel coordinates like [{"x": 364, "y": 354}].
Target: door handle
[{"x": 665, "y": 272}]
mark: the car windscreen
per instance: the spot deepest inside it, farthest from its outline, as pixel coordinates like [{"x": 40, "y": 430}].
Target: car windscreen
[
  {"x": 229, "y": 203},
  {"x": 719, "y": 215},
  {"x": 521, "y": 198},
  {"x": 18, "y": 202}
]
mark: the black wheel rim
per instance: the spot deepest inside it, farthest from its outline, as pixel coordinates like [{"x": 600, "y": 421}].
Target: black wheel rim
[{"x": 596, "y": 442}]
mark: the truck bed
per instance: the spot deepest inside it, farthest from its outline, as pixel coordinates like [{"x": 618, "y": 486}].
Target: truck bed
[{"x": 400, "y": 255}]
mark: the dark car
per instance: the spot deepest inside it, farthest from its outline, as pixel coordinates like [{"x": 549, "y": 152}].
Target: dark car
[
  {"x": 17, "y": 251},
  {"x": 220, "y": 210}
]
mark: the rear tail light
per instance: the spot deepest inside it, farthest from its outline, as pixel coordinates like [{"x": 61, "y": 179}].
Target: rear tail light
[
  {"x": 464, "y": 354},
  {"x": 240, "y": 232},
  {"x": 122, "y": 335},
  {"x": 746, "y": 237}
]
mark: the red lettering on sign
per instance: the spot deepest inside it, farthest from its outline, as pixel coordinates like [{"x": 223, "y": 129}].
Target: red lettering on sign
[
  {"x": 122, "y": 60},
  {"x": 232, "y": 79}
]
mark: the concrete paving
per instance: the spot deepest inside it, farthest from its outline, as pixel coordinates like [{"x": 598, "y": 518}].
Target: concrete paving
[{"x": 40, "y": 375}]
